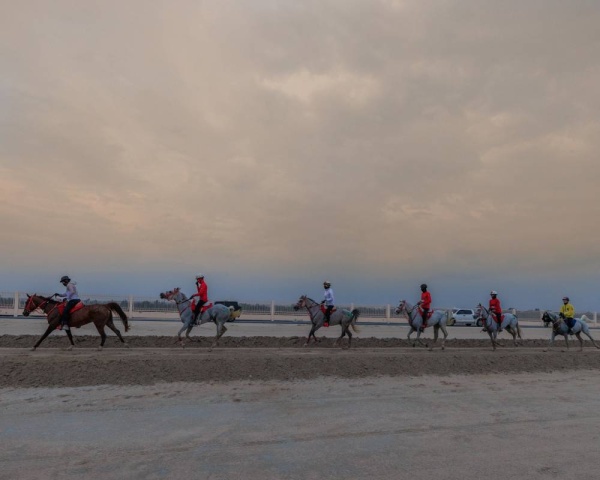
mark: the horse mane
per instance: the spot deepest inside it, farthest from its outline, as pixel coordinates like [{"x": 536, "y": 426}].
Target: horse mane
[{"x": 49, "y": 299}]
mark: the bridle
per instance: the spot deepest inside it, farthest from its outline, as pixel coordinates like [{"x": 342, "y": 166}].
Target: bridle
[
  {"x": 402, "y": 306},
  {"x": 171, "y": 296},
  {"x": 28, "y": 306}
]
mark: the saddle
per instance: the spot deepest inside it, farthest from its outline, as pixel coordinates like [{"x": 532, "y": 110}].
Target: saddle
[
  {"x": 429, "y": 314},
  {"x": 61, "y": 307},
  {"x": 204, "y": 308},
  {"x": 324, "y": 308}
]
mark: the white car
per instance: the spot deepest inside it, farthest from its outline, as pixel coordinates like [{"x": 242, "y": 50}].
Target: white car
[{"x": 463, "y": 316}]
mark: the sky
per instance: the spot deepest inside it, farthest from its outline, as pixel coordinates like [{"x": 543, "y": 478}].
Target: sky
[{"x": 272, "y": 145}]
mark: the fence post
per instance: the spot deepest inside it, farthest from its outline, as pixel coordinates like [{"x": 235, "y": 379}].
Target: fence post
[
  {"x": 130, "y": 306},
  {"x": 387, "y": 312},
  {"x": 272, "y": 310},
  {"x": 16, "y": 305},
  {"x": 595, "y": 317}
]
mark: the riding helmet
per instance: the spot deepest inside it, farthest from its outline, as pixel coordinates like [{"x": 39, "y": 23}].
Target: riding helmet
[
  {"x": 199, "y": 276},
  {"x": 423, "y": 285},
  {"x": 327, "y": 284},
  {"x": 493, "y": 292},
  {"x": 565, "y": 299},
  {"x": 65, "y": 278}
]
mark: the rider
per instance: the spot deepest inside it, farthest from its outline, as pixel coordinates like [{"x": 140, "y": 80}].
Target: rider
[
  {"x": 425, "y": 303},
  {"x": 496, "y": 309},
  {"x": 72, "y": 300},
  {"x": 567, "y": 312},
  {"x": 328, "y": 300},
  {"x": 202, "y": 295}
]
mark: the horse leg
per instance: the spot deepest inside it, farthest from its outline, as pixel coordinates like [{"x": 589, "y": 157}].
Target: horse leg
[
  {"x": 414, "y": 342},
  {"x": 566, "y": 335},
  {"x": 510, "y": 330},
  {"x": 48, "y": 331},
  {"x": 311, "y": 334},
  {"x": 110, "y": 324},
  {"x": 445, "y": 332},
  {"x": 70, "y": 335},
  {"x": 590, "y": 337},
  {"x": 186, "y": 326},
  {"x": 435, "y": 336},
  {"x": 419, "y": 339},
  {"x": 100, "y": 329},
  {"x": 491, "y": 334},
  {"x": 578, "y": 335},
  {"x": 221, "y": 329},
  {"x": 551, "y": 342}
]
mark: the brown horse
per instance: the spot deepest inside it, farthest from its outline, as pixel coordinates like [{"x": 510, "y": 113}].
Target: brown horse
[{"x": 100, "y": 315}]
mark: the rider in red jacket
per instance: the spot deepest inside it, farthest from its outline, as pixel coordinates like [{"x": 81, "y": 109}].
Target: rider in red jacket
[
  {"x": 202, "y": 295},
  {"x": 496, "y": 308},
  {"x": 425, "y": 303}
]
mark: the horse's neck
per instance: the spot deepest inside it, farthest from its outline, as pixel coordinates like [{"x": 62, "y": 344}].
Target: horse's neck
[
  {"x": 410, "y": 310},
  {"x": 312, "y": 305},
  {"x": 182, "y": 303}
]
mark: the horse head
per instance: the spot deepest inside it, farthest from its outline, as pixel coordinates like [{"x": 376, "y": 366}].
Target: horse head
[
  {"x": 401, "y": 307},
  {"x": 34, "y": 302},
  {"x": 551, "y": 317},
  {"x": 481, "y": 312},
  {"x": 171, "y": 294},
  {"x": 301, "y": 303}
]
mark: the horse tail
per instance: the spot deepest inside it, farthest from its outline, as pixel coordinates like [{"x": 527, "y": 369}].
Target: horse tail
[
  {"x": 117, "y": 308},
  {"x": 355, "y": 314},
  {"x": 519, "y": 330}
]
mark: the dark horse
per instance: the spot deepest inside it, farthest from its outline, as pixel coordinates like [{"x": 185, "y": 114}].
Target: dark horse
[{"x": 100, "y": 315}]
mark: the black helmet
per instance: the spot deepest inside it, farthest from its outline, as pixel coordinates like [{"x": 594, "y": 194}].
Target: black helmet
[
  {"x": 65, "y": 278},
  {"x": 423, "y": 285}
]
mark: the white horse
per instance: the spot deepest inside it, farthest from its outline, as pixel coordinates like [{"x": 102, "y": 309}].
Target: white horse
[
  {"x": 344, "y": 318},
  {"x": 559, "y": 327},
  {"x": 217, "y": 313},
  {"x": 437, "y": 320},
  {"x": 510, "y": 323}
]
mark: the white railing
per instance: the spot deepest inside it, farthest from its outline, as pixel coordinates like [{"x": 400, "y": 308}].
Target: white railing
[{"x": 13, "y": 303}]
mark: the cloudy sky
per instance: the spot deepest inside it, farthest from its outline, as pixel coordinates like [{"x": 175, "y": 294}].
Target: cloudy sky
[{"x": 273, "y": 144}]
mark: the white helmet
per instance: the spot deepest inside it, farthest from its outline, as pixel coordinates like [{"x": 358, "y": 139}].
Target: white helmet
[
  {"x": 199, "y": 276},
  {"x": 493, "y": 292}
]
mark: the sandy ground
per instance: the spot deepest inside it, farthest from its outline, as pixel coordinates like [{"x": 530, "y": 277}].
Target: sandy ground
[{"x": 264, "y": 407}]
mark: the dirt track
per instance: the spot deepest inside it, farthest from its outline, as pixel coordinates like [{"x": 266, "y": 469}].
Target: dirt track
[{"x": 152, "y": 360}]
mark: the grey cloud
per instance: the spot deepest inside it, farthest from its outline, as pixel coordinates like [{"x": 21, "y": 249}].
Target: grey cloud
[{"x": 370, "y": 134}]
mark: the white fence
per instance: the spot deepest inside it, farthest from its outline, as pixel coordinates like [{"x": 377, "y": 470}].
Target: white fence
[{"x": 13, "y": 303}]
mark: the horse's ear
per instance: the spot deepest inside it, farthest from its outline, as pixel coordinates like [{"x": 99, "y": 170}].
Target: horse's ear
[{"x": 28, "y": 296}]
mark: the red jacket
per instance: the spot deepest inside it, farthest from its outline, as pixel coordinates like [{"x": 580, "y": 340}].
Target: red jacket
[
  {"x": 495, "y": 305},
  {"x": 426, "y": 300},
  {"x": 202, "y": 291}
]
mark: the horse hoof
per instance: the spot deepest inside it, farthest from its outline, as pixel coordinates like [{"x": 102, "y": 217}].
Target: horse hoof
[
  {"x": 443, "y": 347},
  {"x": 71, "y": 348}
]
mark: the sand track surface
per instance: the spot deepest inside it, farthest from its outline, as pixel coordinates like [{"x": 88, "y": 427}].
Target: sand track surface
[{"x": 151, "y": 360}]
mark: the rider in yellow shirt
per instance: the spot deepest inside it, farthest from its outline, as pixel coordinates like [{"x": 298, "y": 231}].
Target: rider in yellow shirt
[{"x": 567, "y": 312}]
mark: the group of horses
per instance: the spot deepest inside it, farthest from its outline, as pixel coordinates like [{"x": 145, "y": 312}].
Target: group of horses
[{"x": 101, "y": 316}]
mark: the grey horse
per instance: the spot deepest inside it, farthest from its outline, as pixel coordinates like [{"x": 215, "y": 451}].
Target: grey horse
[
  {"x": 344, "y": 318},
  {"x": 559, "y": 327},
  {"x": 438, "y": 320},
  {"x": 218, "y": 313},
  {"x": 510, "y": 323}
]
